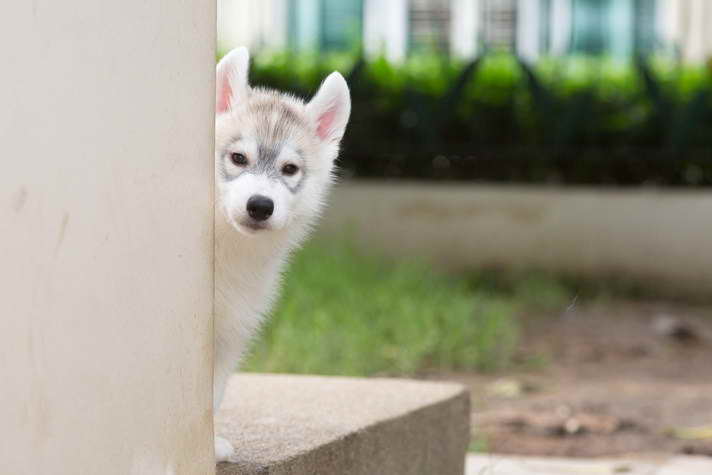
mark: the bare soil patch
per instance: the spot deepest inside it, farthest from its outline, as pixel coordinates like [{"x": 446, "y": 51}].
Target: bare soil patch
[{"x": 618, "y": 377}]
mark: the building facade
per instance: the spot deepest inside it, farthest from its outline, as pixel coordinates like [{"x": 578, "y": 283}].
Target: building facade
[{"x": 465, "y": 28}]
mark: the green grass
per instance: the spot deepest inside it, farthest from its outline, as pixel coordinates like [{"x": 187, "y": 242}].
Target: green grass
[
  {"x": 479, "y": 444},
  {"x": 343, "y": 312},
  {"x": 348, "y": 313},
  {"x": 528, "y": 290}
]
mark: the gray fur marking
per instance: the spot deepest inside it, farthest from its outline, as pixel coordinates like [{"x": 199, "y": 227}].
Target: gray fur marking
[
  {"x": 275, "y": 122},
  {"x": 267, "y": 159}
]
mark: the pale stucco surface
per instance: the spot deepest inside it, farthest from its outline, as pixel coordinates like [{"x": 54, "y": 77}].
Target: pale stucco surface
[
  {"x": 658, "y": 237},
  {"x": 106, "y": 237}
]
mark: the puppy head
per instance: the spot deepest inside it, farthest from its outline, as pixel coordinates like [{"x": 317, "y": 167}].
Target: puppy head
[{"x": 274, "y": 153}]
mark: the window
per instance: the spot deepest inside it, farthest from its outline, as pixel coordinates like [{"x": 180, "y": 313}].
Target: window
[
  {"x": 545, "y": 26},
  {"x": 613, "y": 27},
  {"x": 645, "y": 34},
  {"x": 591, "y": 29},
  {"x": 325, "y": 25},
  {"x": 499, "y": 24},
  {"x": 341, "y": 24},
  {"x": 430, "y": 25}
]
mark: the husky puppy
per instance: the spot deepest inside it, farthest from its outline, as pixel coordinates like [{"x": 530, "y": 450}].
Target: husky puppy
[{"x": 274, "y": 162}]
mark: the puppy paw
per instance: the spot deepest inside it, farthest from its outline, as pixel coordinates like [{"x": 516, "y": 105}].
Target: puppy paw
[{"x": 223, "y": 449}]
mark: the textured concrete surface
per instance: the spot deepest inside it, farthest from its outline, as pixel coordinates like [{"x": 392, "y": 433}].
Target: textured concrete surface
[
  {"x": 513, "y": 465},
  {"x": 322, "y": 425}
]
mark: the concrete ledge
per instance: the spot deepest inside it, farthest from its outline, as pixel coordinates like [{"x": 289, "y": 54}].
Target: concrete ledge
[
  {"x": 592, "y": 232},
  {"x": 323, "y": 425}
]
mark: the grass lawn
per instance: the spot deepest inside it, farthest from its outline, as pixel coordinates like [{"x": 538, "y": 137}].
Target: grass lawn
[{"x": 343, "y": 312}]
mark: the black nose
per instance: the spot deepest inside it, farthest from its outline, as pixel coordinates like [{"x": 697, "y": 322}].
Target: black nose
[{"x": 260, "y": 207}]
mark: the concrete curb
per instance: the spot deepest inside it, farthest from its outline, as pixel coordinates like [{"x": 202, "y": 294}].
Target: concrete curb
[
  {"x": 327, "y": 425},
  {"x": 643, "y": 465}
]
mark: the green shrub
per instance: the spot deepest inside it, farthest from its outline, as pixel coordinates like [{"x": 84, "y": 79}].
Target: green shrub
[
  {"x": 571, "y": 120},
  {"x": 346, "y": 313}
]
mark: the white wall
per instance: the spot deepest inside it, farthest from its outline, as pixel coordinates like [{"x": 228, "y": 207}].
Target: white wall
[
  {"x": 684, "y": 25},
  {"x": 560, "y": 21},
  {"x": 106, "y": 237},
  {"x": 256, "y": 24},
  {"x": 667, "y": 21},
  {"x": 528, "y": 29},
  {"x": 385, "y": 26},
  {"x": 658, "y": 237},
  {"x": 464, "y": 28},
  {"x": 694, "y": 35}
]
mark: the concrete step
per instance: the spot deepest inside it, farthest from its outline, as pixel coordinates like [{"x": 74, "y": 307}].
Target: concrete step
[
  {"x": 515, "y": 465},
  {"x": 342, "y": 426}
]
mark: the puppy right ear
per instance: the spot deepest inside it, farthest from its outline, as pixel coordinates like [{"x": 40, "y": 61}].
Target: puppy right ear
[
  {"x": 231, "y": 78},
  {"x": 330, "y": 108}
]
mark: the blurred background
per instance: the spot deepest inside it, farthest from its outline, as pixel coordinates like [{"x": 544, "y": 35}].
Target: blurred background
[{"x": 523, "y": 207}]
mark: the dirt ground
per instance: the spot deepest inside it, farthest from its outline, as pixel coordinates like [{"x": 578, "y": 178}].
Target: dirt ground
[{"x": 613, "y": 378}]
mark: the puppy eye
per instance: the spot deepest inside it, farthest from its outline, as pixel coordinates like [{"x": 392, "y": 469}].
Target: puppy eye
[
  {"x": 290, "y": 169},
  {"x": 238, "y": 159}
]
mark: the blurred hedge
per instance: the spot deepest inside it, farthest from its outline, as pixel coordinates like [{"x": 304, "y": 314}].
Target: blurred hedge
[{"x": 575, "y": 121}]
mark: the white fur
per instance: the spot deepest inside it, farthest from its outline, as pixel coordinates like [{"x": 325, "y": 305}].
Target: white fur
[{"x": 249, "y": 262}]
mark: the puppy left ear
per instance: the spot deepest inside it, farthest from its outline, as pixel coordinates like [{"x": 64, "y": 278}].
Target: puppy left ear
[
  {"x": 231, "y": 79},
  {"x": 330, "y": 108}
]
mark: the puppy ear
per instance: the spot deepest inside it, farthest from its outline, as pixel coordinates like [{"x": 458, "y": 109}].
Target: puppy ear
[
  {"x": 330, "y": 108},
  {"x": 231, "y": 78}
]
